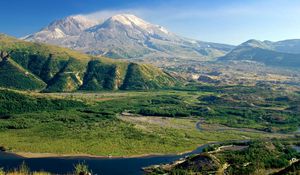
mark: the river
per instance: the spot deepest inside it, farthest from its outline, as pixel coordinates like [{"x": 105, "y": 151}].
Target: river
[{"x": 100, "y": 166}]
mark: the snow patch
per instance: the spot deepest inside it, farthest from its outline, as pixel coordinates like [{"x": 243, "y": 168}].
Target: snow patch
[
  {"x": 58, "y": 33},
  {"x": 130, "y": 20}
]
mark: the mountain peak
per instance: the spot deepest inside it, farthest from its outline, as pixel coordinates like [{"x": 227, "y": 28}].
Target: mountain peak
[
  {"x": 134, "y": 21},
  {"x": 69, "y": 26},
  {"x": 255, "y": 43},
  {"x": 124, "y": 36},
  {"x": 130, "y": 20},
  {"x": 82, "y": 20},
  {"x": 70, "y": 23}
]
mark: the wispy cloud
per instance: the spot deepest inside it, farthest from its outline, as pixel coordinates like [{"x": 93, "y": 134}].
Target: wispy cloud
[
  {"x": 273, "y": 8},
  {"x": 268, "y": 19},
  {"x": 104, "y": 14}
]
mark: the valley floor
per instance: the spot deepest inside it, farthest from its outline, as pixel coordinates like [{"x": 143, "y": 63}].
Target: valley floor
[
  {"x": 176, "y": 136},
  {"x": 127, "y": 124}
]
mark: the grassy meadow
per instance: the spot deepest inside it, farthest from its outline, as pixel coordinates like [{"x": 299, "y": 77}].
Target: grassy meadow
[{"x": 132, "y": 123}]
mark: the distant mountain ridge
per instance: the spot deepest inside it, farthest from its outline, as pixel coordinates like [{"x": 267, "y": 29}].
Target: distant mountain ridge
[
  {"x": 125, "y": 36},
  {"x": 34, "y": 66},
  {"x": 287, "y": 46},
  {"x": 282, "y": 53},
  {"x": 128, "y": 37},
  {"x": 70, "y": 26}
]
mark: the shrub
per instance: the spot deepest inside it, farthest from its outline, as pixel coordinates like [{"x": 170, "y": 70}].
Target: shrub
[
  {"x": 81, "y": 169},
  {"x": 1, "y": 171}
]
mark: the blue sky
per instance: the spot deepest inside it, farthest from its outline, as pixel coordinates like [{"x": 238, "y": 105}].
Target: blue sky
[{"x": 225, "y": 21}]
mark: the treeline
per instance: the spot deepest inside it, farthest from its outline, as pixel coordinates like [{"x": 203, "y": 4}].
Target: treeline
[{"x": 13, "y": 102}]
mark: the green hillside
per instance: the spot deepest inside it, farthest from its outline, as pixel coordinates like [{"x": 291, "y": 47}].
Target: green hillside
[
  {"x": 14, "y": 76},
  {"x": 102, "y": 74},
  {"x": 55, "y": 69},
  {"x": 146, "y": 77}
]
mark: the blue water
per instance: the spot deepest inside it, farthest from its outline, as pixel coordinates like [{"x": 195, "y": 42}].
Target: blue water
[
  {"x": 297, "y": 148},
  {"x": 100, "y": 166}
]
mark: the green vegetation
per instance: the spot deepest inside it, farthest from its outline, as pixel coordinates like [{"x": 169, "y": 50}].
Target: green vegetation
[
  {"x": 139, "y": 109},
  {"x": 293, "y": 169},
  {"x": 23, "y": 169},
  {"x": 247, "y": 158},
  {"x": 81, "y": 169},
  {"x": 101, "y": 76},
  {"x": 259, "y": 155},
  {"x": 131, "y": 123},
  {"x": 234, "y": 106},
  {"x": 84, "y": 123},
  {"x": 34, "y": 66},
  {"x": 252, "y": 107},
  {"x": 92, "y": 123},
  {"x": 146, "y": 77},
  {"x": 15, "y": 103},
  {"x": 14, "y": 76}
]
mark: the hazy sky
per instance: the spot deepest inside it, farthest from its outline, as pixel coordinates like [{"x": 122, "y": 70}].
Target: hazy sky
[{"x": 224, "y": 21}]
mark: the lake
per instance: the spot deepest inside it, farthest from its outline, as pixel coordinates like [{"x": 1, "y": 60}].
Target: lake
[{"x": 100, "y": 166}]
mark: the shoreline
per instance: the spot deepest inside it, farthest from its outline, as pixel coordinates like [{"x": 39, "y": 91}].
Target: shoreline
[{"x": 30, "y": 155}]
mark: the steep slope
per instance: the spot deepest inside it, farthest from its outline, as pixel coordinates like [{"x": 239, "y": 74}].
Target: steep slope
[
  {"x": 69, "y": 77},
  {"x": 59, "y": 69},
  {"x": 127, "y": 36},
  {"x": 51, "y": 64},
  {"x": 101, "y": 75},
  {"x": 146, "y": 77},
  {"x": 263, "y": 52},
  {"x": 14, "y": 76}
]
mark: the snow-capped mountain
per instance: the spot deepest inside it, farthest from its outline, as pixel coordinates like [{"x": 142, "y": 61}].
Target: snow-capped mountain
[
  {"x": 125, "y": 36},
  {"x": 70, "y": 26}
]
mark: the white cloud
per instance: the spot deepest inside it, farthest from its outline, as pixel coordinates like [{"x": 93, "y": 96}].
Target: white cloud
[
  {"x": 104, "y": 14},
  {"x": 268, "y": 19},
  {"x": 267, "y": 8}
]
